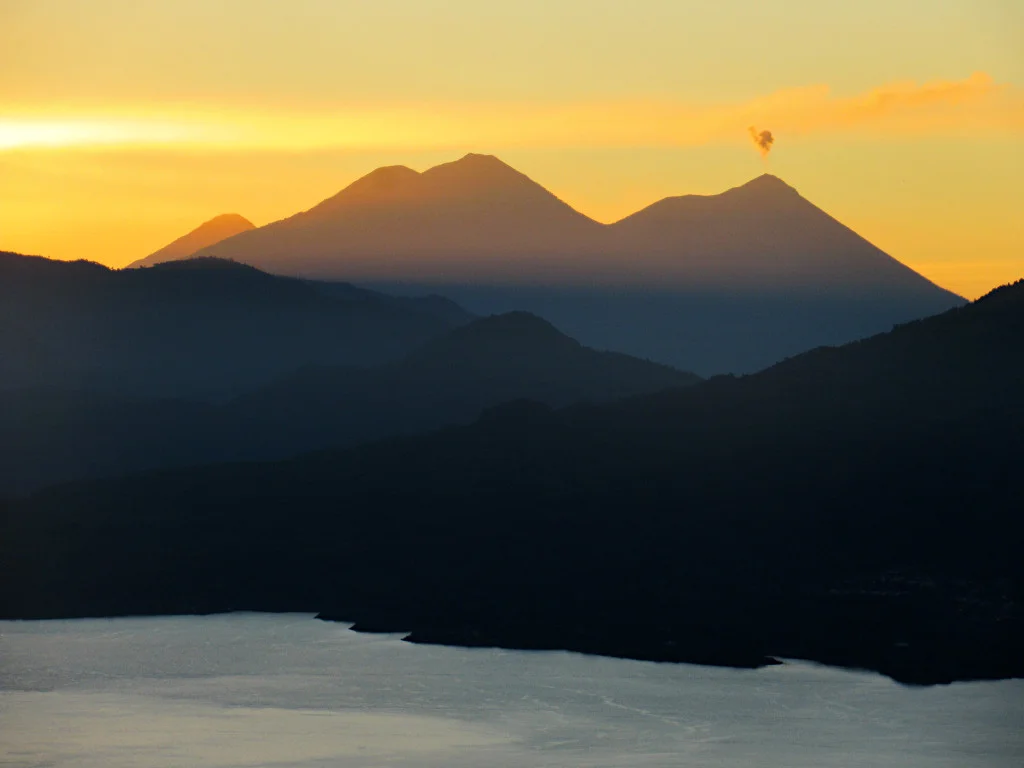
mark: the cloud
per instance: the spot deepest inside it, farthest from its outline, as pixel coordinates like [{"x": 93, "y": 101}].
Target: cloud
[
  {"x": 763, "y": 140},
  {"x": 906, "y": 95},
  {"x": 975, "y": 106}
]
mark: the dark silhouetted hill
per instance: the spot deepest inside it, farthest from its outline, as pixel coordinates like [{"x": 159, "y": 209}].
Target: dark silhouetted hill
[
  {"x": 208, "y": 233},
  {"x": 856, "y": 506},
  {"x": 54, "y": 436},
  {"x": 201, "y": 327},
  {"x": 449, "y": 381},
  {"x": 721, "y": 283}
]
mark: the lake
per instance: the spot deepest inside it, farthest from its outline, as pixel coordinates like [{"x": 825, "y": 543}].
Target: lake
[{"x": 289, "y": 691}]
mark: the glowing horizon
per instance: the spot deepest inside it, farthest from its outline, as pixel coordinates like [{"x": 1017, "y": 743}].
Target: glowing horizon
[
  {"x": 975, "y": 105},
  {"x": 114, "y": 142}
]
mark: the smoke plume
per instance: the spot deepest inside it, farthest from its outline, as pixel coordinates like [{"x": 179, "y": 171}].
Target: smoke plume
[{"x": 763, "y": 140}]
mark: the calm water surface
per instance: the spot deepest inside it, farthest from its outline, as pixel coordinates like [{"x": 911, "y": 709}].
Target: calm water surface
[{"x": 289, "y": 691}]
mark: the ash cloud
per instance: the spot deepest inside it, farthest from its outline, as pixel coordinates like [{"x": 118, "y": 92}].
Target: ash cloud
[{"x": 762, "y": 139}]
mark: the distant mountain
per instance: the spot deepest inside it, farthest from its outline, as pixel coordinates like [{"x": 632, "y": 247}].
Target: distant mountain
[
  {"x": 200, "y": 327},
  {"x": 475, "y": 218},
  {"x": 728, "y": 282},
  {"x": 856, "y": 506},
  {"x": 760, "y": 237},
  {"x": 53, "y": 435},
  {"x": 208, "y": 233}
]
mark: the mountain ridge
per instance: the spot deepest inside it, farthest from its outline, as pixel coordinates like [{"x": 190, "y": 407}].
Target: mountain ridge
[
  {"x": 580, "y": 247},
  {"x": 198, "y": 327}
]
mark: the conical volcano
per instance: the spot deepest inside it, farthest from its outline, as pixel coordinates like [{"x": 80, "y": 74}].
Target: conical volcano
[{"x": 208, "y": 233}]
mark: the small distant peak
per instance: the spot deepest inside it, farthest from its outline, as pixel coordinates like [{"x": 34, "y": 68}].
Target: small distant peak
[
  {"x": 209, "y": 233},
  {"x": 220, "y": 227}
]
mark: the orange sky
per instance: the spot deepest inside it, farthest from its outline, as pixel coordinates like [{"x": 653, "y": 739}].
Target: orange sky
[{"x": 125, "y": 124}]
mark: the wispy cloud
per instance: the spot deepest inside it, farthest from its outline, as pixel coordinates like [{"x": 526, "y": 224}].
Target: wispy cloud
[{"x": 974, "y": 106}]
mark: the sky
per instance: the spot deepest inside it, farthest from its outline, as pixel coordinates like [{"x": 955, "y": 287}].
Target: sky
[{"x": 126, "y": 123}]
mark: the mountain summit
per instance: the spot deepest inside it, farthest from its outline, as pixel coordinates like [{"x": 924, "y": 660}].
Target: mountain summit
[
  {"x": 471, "y": 176},
  {"x": 762, "y": 235},
  {"x": 208, "y": 233}
]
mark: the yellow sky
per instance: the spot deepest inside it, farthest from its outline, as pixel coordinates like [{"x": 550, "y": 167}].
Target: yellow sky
[{"x": 125, "y": 124}]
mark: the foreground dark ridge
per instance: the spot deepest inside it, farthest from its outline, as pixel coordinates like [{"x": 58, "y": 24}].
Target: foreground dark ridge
[{"x": 857, "y": 506}]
